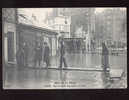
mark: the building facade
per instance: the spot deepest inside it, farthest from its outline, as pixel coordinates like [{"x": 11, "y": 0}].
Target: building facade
[
  {"x": 15, "y": 32},
  {"x": 9, "y": 23},
  {"x": 83, "y": 25},
  {"x": 74, "y": 23},
  {"x": 111, "y": 26},
  {"x": 31, "y": 34},
  {"x": 59, "y": 22}
]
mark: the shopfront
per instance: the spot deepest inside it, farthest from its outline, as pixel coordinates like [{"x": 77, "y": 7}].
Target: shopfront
[{"x": 32, "y": 34}]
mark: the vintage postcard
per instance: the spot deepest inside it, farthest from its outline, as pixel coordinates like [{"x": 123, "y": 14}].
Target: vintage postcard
[{"x": 64, "y": 48}]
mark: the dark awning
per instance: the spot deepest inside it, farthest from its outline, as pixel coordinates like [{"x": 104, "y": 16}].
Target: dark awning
[{"x": 35, "y": 28}]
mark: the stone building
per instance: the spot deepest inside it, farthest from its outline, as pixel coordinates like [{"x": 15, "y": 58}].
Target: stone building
[
  {"x": 9, "y": 23},
  {"x": 59, "y": 22},
  {"x": 111, "y": 26},
  {"x": 77, "y": 23},
  {"x": 83, "y": 25},
  {"x": 16, "y": 33},
  {"x": 31, "y": 34}
]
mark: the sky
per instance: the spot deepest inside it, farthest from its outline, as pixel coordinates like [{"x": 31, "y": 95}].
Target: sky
[
  {"x": 99, "y": 10},
  {"x": 40, "y": 13}
]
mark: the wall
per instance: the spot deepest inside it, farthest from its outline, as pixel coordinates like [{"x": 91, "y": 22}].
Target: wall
[
  {"x": 9, "y": 20},
  {"x": 9, "y": 27},
  {"x": 58, "y": 24},
  {"x": 30, "y": 35}
]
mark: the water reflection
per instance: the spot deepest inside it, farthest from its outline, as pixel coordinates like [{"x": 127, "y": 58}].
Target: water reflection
[
  {"x": 35, "y": 78},
  {"x": 89, "y": 60},
  {"x": 92, "y": 60},
  {"x": 105, "y": 79},
  {"x": 63, "y": 75}
]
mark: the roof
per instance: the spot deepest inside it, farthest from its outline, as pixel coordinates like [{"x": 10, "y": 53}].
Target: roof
[{"x": 45, "y": 30}]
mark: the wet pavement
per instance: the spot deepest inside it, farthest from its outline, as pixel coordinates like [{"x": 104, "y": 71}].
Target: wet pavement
[
  {"x": 91, "y": 60},
  {"x": 33, "y": 78},
  {"x": 41, "y": 79}
]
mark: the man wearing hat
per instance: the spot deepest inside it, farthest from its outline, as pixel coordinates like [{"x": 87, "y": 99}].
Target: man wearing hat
[
  {"x": 46, "y": 54},
  {"x": 62, "y": 54}
]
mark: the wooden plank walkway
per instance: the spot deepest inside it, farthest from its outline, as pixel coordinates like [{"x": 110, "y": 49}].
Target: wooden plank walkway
[
  {"x": 97, "y": 68},
  {"x": 114, "y": 73}
]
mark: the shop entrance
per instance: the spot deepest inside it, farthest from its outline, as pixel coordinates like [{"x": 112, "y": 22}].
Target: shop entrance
[{"x": 10, "y": 46}]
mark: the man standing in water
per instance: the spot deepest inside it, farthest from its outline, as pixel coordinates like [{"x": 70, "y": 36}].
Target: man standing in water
[
  {"x": 105, "y": 58},
  {"x": 46, "y": 54},
  {"x": 62, "y": 54},
  {"x": 38, "y": 53},
  {"x": 26, "y": 49}
]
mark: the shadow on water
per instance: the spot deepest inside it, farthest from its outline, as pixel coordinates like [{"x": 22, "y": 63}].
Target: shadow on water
[
  {"x": 14, "y": 77},
  {"x": 105, "y": 76}
]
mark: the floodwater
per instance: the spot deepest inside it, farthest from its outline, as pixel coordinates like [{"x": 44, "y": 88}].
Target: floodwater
[
  {"x": 28, "y": 78},
  {"x": 91, "y": 60}
]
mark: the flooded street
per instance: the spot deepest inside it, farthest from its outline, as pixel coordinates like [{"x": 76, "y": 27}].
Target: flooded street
[
  {"x": 64, "y": 48},
  {"x": 92, "y": 60},
  {"x": 41, "y": 79},
  {"x": 28, "y": 78}
]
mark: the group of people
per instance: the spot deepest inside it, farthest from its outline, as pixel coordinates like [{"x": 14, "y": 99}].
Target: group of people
[
  {"x": 39, "y": 51},
  {"x": 42, "y": 54},
  {"x": 23, "y": 51}
]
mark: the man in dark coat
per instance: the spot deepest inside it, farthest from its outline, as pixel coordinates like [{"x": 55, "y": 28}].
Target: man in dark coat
[
  {"x": 62, "y": 54},
  {"x": 38, "y": 54},
  {"x": 46, "y": 54},
  {"x": 18, "y": 54},
  {"x": 35, "y": 55},
  {"x": 105, "y": 58},
  {"x": 20, "y": 57},
  {"x": 26, "y": 49}
]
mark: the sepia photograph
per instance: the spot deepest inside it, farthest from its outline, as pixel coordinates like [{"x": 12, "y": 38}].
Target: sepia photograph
[{"x": 64, "y": 48}]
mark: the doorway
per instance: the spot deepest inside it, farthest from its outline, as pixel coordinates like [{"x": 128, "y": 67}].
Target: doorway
[{"x": 10, "y": 46}]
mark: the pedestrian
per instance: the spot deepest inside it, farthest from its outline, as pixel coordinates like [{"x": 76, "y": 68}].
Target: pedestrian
[
  {"x": 35, "y": 54},
  {"x": 62, "y": 55},
  {"x": 38, "y": 54},
  {"x": 105, "y": 57},
  {"x": 26, "y": 49},
  {"x": 46, "y": 54},
  {"x": 20, "y": 57}
]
